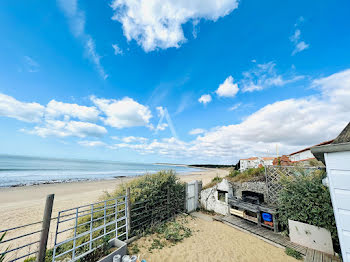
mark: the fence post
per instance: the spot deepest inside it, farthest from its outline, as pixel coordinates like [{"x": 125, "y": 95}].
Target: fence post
[
  {"x": 128, "y": 210},
  {"x": 45, "y": 228}
]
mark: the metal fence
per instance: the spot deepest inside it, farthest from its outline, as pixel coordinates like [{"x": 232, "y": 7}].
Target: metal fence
[
  {"x": 81, "y": 230},
  {"x": 18, "y": 246},
  {"x": 155, "y": 209},
  {"x": 275, "y": 173},
  {"x": 93, "y": 225}
]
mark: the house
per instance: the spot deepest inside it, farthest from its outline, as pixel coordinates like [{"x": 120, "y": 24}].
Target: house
[
  {"x": 255, "y": 162},
  {"x": 336, "y": 157},
  {"x": 306, "y": 154}
]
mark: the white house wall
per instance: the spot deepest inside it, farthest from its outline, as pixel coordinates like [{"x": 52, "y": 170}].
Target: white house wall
[
  {"x": 301, "y": 156},
  {"x": 338, "y": 172}
]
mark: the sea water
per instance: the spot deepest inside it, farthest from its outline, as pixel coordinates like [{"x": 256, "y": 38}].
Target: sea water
[{"x": 22, "y": 170}]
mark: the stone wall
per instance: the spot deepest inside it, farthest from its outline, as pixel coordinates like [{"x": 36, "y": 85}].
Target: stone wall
[
  {"x": 258, "y": 187},
  {"x": 209, "y": 197}
]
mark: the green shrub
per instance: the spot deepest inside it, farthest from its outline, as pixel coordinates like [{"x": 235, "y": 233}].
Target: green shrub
[
  {"x": 293, "y": 253},
  {"x": 304, "y": 198},
  {"x": 247, "y": 175},
  {"x": 216, "y": 180},
  {"x": 233, "y": 173}
]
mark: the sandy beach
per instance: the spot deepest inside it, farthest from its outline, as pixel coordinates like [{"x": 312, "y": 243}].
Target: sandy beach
[{"x": 23, "y": 205}]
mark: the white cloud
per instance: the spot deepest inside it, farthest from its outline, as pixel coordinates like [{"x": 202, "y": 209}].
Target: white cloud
[
  {"x": 291, "y": 124},
  {"x": 158, "y": 23},
  {"x": 227, "y": 88},
  {"x": 27, "y": 112},
  {"x": 94, "y": 56},
  {"x": 337, "y": 88},
  {"x": 55, "y": 109},
  {"x": 94, "y": 143},
  {"x": 264, "y": 76},
  {"x": 197, "y": 131},
  {"x": 234, "y": 107},
  {"x": 205, "y": 99},
  {"x": 76, "y": 20},
  {"x": 123, "y": 113},
  {"x": 117, "y": 49},
  {"x": 68, "y": 128},
  {"x": 31, "y": 65},
  {"x": 133, "y": 139},
  {"x": 299, "y": 45}
]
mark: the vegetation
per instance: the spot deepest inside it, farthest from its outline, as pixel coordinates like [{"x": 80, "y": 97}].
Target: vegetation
[
  {"x": 2, "y": 255},
  {"x": 216, "y": 180},
  {"x": 165, "y": 234},
  {"x": 149, "y": 205},
  {"x": 256, "y": 174},
  {"x": 48, "y": 256},
  {"x": 304, "y": 198},
  {"x": 293, "y": 253}
]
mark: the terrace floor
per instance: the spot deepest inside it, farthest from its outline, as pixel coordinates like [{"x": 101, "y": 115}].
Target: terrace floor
[{"x": 277, "y": 239}]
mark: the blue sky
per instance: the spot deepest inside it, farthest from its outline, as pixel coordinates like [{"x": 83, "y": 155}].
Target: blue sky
[{"x": 175, "y": 81}]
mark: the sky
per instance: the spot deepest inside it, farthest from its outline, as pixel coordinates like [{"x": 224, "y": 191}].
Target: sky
[{"x": 198, "y": 81}]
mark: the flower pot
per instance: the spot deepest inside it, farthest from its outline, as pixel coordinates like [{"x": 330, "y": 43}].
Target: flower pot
[{"x": 121, "y": 250}]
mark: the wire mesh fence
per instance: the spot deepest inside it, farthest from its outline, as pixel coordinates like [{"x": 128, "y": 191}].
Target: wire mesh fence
[{"x": 156, "y": 209}]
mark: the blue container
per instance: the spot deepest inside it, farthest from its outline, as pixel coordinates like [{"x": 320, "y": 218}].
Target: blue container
[{"x": 267, "y": 217}]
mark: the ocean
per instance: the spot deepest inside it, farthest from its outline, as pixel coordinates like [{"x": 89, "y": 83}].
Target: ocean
[{"x": 22, "y": 170}]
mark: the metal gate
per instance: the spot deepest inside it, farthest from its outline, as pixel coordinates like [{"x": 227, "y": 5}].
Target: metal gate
[
  {"x": 192, "y": 192},
  {"x": 83, "y": 229}
]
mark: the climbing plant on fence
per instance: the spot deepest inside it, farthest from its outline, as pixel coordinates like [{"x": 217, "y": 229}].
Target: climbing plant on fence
[
  {"x": 154, "y": 198},
  {"x": 304, "y": 198}
]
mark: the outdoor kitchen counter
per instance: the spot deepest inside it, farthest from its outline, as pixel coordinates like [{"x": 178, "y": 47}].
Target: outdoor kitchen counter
[{"x": 256, "y": 208}]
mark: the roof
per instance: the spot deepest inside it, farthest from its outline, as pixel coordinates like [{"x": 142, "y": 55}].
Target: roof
[
  {"x": 344, "y": 136},
  {"x": 341, "y": 143},
  {"x": 255, "y": 158},
  {"x": 309, "y": 148}
]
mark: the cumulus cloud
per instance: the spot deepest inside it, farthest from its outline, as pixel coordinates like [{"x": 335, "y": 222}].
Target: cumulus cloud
[
  {"x": 27, "y": 112},
  {"x": 76, "y": 20},
  {"x": 337, "y": 88},
  {"x": 227, "y": 88},
  {"x": 133, "y": 139},
  {"x": 55, "y": 109},
  {"x": 196, "y": 131},
  {"x": 158, "y": 23},
  {"x": 68, "y": 128},
  {"x": 291, "y": 124},
  {"x": 123, "y": 113},
  {"x": 205, "y": 99},
  {"x": 264, "y": 76}
]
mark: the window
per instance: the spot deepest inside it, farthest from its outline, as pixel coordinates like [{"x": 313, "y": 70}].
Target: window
[{"x": 222, "y": 195}]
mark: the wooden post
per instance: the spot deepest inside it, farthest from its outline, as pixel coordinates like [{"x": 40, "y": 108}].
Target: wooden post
[
  {"x": 128, "y": 210},
  {"x": 45, "y": 228}
]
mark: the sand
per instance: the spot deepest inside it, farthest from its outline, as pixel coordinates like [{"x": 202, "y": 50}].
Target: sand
[
  {"x": 213, "y": 241},
  {"x": 24, "y": 205}
]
